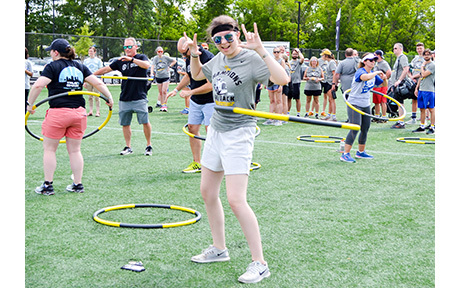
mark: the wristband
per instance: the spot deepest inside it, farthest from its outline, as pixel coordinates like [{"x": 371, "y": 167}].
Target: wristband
[
  {"x": 194, "y": 55},
  {"x": 175, "y": 90}
]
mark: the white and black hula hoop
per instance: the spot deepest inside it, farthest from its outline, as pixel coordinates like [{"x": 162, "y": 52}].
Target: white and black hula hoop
[
  {"x": 71, "y": 93},
  {"x": 374, "y": 116},
  {"x": 146, "y": 226}
]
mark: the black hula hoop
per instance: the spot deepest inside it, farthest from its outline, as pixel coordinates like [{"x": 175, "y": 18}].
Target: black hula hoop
[
  {"x": 68, "y": 94},
  {"x": 416, "y": 140},
  {"x": 184, "y": 129},
  {"x": 308, "y": 138},
  {"x": 254, "y": 165},
  {"x": 146, "y": 226}
]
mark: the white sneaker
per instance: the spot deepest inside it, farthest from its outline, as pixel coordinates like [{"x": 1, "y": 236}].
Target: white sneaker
[
  {"x": 211, "y": 254},
  {"x": 255, "y": 272}
]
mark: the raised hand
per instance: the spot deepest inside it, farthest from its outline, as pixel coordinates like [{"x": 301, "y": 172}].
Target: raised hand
[{"x": 253, "y": 40}]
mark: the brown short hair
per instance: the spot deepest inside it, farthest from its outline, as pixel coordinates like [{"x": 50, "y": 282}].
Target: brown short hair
[{"x": 222, "y": 20}]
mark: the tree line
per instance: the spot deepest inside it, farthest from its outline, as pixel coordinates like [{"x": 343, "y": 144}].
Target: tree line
[{"x": 365, "y": 25}]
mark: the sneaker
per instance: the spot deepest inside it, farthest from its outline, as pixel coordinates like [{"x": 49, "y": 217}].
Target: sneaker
[
  {"x": 277, "y": 123},
  {"x": 323, "y": 114},
  {"x": 255, "y": 272},
  {"x": 430, "y": 131},
  {"x": 164, "y": 108},
  {"x": 399, "y": 126},
  {"x": 194, "y": 167},
  {"x": 211, "y": 254},
  {"x": 148, "y": 151},
  {"x": 347, "y": 158},
  {"x": 411, "y": 121},
  {"x": 44, "y": 189},
  {"x": 184, "y": 112},
  {"x": 77, "y": 188},
  {"x": 363, "y": 155},
  {"x": 126, "y": 151},
  {"x": 268, "y": 122},
  {"x": 419, "y": 130},
  {"x": 158, "y": 105}
]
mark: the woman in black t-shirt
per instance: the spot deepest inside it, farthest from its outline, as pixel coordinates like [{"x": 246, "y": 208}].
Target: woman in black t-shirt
[{"x": 67, "y": 115}]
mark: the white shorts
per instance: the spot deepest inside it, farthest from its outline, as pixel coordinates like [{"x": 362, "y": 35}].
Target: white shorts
[{"x": 230, "y": 151}]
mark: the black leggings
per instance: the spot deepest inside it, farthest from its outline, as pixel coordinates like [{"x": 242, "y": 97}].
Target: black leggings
[{"x": 361, "y": 120}]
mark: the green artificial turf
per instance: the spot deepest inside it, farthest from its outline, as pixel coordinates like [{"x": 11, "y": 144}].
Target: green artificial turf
[{"x": 324, "y": 223}]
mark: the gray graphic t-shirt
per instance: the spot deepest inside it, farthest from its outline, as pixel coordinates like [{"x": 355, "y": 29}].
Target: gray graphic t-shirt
[{"x": 234, "y": 83}]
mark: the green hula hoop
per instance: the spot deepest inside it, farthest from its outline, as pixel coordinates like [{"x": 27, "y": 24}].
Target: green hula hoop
[
  {"x": 146, "y": 226},
  {"x": 109, "y": 115},
  {"x": 416, "y": 140},
  {"x": 308, "y": 138},
  {"x": 373, "y": 116}
]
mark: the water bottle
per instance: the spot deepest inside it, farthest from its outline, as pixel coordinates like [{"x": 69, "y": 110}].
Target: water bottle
[{"x": 342, "y": 146}]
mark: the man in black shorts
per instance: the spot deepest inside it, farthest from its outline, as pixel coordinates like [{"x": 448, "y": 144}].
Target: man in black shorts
[
  {"x": 133, "y": 96},
  {"x": 296, "y": 78}
]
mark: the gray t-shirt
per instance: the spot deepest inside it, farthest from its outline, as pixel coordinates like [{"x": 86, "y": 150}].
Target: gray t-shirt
[
  {"x": 28, "y": 68},
  {"x": 312, "y": 84},
  {"x": 416, "y": 64},
  {"x": 296, "y": 70},
  {"x": 234, "y": 83},
  {"x": 331, "y": 66},
  {"x": 384, "y": 67},
  {"x": 161, "y": 66},
  {"x": 427, "y": 83},
  {"x": 346, "y": 69},
  {"x": 398, "y": 67}
]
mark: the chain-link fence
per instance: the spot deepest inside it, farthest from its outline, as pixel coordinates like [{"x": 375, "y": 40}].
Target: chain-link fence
[{"x": 110, "y": 47}]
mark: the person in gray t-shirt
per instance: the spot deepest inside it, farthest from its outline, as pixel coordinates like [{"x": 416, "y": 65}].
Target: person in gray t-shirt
[
  {"x": 234, "y": 73},
  {"x": 425, "y": 92},
  {"x": 345, "y": 72},
  {"x": 160, "y": 69}
]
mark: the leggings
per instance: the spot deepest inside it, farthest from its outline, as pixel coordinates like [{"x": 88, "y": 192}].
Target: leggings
[{"x": 364, "y": 121}]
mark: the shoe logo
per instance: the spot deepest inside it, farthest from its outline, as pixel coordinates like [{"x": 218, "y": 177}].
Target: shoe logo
[{"x": 220, "y": 254}]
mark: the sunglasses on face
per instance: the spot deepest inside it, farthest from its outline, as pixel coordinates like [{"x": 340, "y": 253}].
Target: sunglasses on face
[
  {"x": 218, "y": 39},
  {"x": 372, "y": 60},
  {"x": 128, "y": 47},
  {"x": 276, "y": 51}
]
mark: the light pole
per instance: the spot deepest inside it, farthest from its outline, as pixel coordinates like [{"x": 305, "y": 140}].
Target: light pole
[{"x": 298, "y": 26}]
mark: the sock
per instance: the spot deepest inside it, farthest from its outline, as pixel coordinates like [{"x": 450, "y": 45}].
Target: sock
[
  {"x": 422, "y": 125},
  {"x": 48, "y": 183},
  {"x": 414, "y": 115}
]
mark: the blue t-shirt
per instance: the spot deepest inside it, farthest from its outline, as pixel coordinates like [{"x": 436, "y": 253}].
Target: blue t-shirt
[{"x": 360, "y": 95}]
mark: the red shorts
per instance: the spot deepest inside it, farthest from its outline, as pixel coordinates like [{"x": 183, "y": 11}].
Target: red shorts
[
  {"x": 376, "y": 98},
  {"x": 64, "y": 122}
]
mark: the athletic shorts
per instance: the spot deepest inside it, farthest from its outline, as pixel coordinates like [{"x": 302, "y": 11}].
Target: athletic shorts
[
  {"x": 229, "y": 151},
  {"x": 161, "y": 80},
  {"x": 326, "y": 87},
  {"x": 273, "y": 87},
  {"x": 425, "y": 100},
  {"x": 294, "y": 91},
  {"x": 200, "y": 113},
  {"x": 312, "y": 92},
  {"x": 286, "y": 90},
  {"x": 127, "y": 108},
  {"x": 376, "y": 98},
  {"x": 64, "y": 122}
]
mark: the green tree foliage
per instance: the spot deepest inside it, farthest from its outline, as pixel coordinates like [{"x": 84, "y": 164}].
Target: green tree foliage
[
  {"x": 83, "y": 43},
  {"x": 366, "y": 25}
]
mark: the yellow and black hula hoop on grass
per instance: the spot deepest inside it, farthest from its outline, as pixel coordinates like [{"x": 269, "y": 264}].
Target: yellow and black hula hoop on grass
[
  {"x": 373, "y": 116},
  {"x": 254, "y": 165},
  {"x": 289, "y": 118},
  {"x": 126, "y": 78},
  {"x": 416, "y": 140},
  {"x": 146, "y": 226},
  {"x": 310, "y": 138},
  {"x": 109, "y": 115}
]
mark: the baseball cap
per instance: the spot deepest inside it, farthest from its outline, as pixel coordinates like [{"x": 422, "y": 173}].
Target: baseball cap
[
  {"x": 326, "y": 52},
  {"x": 379, "y": 52},
  {"x": 59, "y": 45},
  {"x": 369, "y": 57}
]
